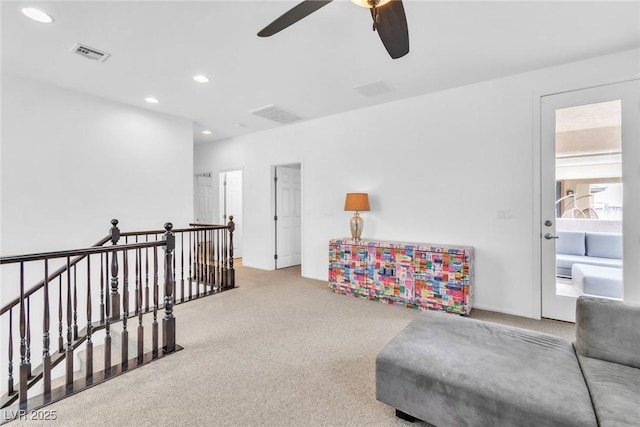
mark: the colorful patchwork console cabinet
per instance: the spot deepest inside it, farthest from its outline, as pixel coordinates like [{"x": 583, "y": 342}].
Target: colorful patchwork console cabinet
[{"x": 417, "y": 275}]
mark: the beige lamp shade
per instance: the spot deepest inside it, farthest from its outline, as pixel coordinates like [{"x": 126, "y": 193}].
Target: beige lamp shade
[{"x": 356, "y": 202}]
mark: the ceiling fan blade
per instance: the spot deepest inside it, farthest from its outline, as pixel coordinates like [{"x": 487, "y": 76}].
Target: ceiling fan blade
[
  {"x": 392, "y": 28},
  {"x": 292, "y": 16}
]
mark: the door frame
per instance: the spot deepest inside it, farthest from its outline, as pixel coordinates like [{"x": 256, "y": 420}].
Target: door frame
[
  {"x": 631, "y": 180},
  {"x": 274, "y": 210}
]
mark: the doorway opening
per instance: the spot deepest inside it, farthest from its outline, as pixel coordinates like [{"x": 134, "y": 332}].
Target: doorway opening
[{"x": 287, "y": 197}]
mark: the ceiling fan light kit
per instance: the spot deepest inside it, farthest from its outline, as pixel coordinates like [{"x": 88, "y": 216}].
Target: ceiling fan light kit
[
  {"x": 370, "y": 3},
  {"x": 389, "y": 20}
]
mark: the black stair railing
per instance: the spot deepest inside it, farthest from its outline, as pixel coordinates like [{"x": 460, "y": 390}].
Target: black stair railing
[{"x": 199, "y": 259}]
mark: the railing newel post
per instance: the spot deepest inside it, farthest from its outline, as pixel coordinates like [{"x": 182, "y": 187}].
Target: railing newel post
[{"x": 169, "y": 322}]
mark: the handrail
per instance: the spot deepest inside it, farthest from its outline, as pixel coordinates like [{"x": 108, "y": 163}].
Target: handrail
[
  {"x": 175, "y": 230},
  {"x": 82, "y": 254},
  {"x": 51, "y": 278},
  {"x": 75, "y": 252}
]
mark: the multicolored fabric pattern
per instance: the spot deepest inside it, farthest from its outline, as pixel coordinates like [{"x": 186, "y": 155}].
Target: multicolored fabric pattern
[{"x": 421, "y": 276}]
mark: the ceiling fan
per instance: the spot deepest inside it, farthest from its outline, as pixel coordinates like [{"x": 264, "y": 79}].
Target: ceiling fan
[{"x": 388, "y": 16}]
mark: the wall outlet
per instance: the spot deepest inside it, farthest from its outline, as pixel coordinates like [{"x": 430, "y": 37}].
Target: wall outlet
[{"x": 505, "y": 214}]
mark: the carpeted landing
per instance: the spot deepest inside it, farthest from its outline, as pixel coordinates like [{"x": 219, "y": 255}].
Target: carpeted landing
[{"x": 280, "y": 350}]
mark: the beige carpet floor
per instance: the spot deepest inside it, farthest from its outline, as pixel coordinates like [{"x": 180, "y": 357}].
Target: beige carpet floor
[{"x": 278, "y": 351}]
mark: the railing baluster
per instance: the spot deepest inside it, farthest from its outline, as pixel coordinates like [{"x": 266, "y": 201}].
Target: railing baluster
[
  {"x": 220, "y": 260},
  {"x": 140, "y": 327},
  {"x": 232, "y": 273},
  {"x": 46, "y": 356},
  {"x": 214, "y": 262},
  {"x": 169, "y": 322},
  {"x": 69, "y": 350},
  {"x": 190, "y": 268},
  {"x": 223, "y": 254},
  {"x": 102, "y": 287},
  {"x": 125, "y": 310},
  {"x": 89, "y": 354},
  {"x": 137, "y": 278},
  {"x": 24, "y": 368},
  {"x": 107, "y": 324},
  {"x": 115, "y": 296},
  {"x": 29, "y": 336},
  {"x": 208, "y": 268},
  {"x": 154, "y": 327},
  {"x": 146, "y": 277},
  {"x": 10, "y": 389},
  {"x": 214, "y": 282},
  {"x": 75, "y": 303},
  {"x": 207, "y": 257},
  {"x": 198, "y": 263},
  {"x": 182, "y": 267},
  {"x": 60, "y": 339},
  {"x": 173, "y": 270}
]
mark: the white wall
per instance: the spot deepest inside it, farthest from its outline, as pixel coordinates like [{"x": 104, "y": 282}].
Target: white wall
[
  {"x": 71, "y": 162},
  {"x": 437, "y": 168}
]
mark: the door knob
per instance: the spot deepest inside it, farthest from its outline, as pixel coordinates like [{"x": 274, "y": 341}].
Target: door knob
[{"x": 550, "y": 236}]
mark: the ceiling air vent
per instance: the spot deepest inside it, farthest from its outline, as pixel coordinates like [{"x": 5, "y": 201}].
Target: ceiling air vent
[
  {"x": 373, "y": 89},
  {"x": 276, "y": 114},
  {"x": 90, "y": 53}
]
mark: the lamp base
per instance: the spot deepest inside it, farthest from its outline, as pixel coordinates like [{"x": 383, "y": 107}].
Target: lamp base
[{"x": 357, "y": 224}]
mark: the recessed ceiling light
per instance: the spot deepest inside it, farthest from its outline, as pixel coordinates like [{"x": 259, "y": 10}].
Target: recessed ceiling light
[
  {"x": 200, "y": 78},
  {"x": 151, "y": 100},
  {"x": 37, "y": 15},
  {"x": 206, "y": 132}
]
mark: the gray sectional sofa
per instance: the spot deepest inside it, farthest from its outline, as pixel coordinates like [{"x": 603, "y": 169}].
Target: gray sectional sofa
[
  {"x": 455, "y": 371},
  {"x": 587, "y": 247}
]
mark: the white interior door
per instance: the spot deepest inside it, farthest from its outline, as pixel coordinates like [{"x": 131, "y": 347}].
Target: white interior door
[
  {"x": 576, "y": 150},
  {"x": 288, "y": 216},
  {"x": 204, "y": 199},
  {"x": 231, "y": 205}
]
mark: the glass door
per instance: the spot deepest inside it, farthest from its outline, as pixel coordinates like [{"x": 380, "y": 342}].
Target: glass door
[{"x": 589, "y": 152}]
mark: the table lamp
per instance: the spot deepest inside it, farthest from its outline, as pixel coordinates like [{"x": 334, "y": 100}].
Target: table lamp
[{"x": 356, "y": 202}]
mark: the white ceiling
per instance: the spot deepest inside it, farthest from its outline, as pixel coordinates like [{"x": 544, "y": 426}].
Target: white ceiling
[{"x": 310, "y": 68}]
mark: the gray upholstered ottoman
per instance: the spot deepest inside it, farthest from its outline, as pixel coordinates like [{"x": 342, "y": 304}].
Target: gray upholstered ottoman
[
  {"x": 455, "y": 371},
  {"x": 598, "y": 280}
]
